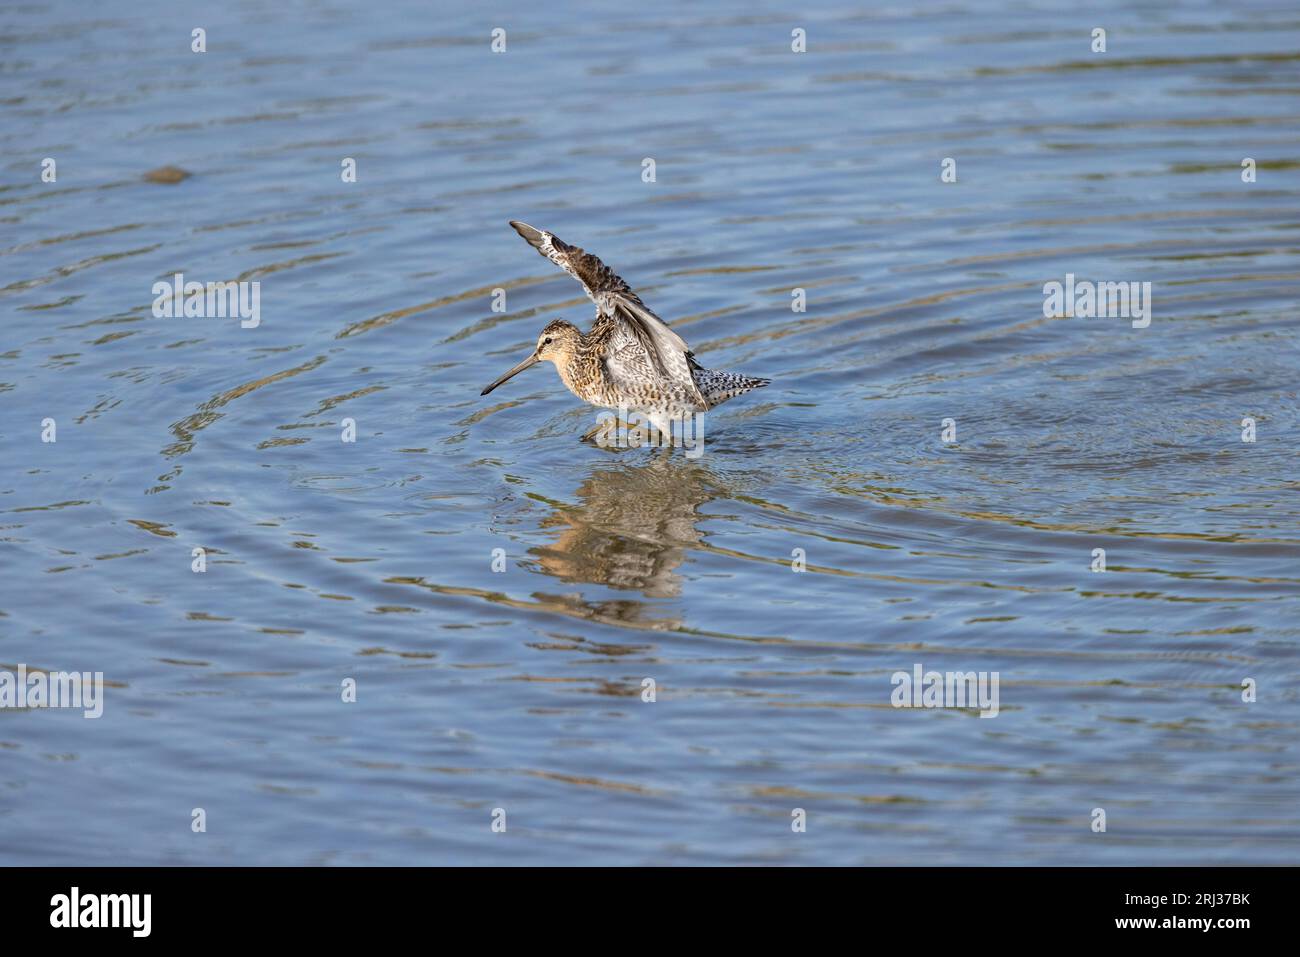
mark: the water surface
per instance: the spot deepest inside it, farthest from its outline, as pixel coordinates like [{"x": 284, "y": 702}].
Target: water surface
[{"x": 522, "y": 689}]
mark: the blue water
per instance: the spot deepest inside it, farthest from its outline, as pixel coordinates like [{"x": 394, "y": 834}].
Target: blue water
[{"x": 521, "y": 690}]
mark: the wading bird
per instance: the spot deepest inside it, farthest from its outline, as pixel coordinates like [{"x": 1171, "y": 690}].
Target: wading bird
[{"x": 631, "y": 359}]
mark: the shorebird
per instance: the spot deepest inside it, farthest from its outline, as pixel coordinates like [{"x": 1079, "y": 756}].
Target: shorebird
[{"x": 630, "y": 359}]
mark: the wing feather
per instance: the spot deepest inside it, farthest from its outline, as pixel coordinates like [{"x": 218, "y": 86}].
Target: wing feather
[{"x": 665, "y": 351}]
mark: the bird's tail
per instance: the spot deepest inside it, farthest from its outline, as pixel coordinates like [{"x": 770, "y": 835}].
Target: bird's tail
[{"x": 718, "y": 387}]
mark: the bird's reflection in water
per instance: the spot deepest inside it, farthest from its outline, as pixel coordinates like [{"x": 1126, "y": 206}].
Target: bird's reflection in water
[{"x": 631, "y": 529}]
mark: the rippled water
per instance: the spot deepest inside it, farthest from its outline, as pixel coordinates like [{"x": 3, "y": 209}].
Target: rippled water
[{"x": 521, "y": 690}]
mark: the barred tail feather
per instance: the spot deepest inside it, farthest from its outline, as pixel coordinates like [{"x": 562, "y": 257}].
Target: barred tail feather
[{"x": 717, "y": 387}]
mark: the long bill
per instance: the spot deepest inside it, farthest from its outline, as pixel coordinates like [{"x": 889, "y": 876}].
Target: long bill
[{"x": 531, "y": 360}]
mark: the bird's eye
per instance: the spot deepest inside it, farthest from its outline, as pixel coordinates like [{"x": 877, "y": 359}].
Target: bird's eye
[{"x": 546, "y": 341}]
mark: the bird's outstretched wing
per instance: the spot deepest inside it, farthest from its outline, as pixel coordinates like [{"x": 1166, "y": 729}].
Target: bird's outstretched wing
[{"x": 636, "y": 328}]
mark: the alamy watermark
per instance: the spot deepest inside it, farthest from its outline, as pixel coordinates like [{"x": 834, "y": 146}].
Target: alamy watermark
[
  {"x": 952, "y": 689},
  {"x": 1103, "y": 300},
  {"x": 53, "y": 689},
  {"x": 631, "y": 429},
  {"x": 213, "y": 300},
  {"x": 75, "y": 909}
]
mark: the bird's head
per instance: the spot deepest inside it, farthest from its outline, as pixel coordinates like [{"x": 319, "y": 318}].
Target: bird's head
[{"x": 556, "y": 343}]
